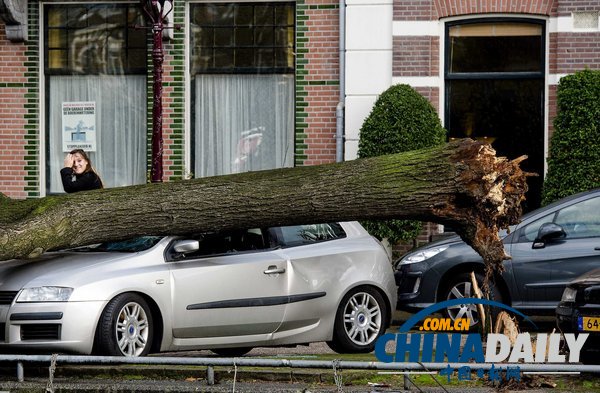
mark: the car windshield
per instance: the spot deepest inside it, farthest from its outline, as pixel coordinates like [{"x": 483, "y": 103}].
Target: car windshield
[{"x": 135, "y": 244}]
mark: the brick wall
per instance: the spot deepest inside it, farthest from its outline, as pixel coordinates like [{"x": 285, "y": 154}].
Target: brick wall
[
  {"x": 19, "y": 128},
  {"x": 570, "y": 52},
  {"x": 415, "y": 56},
  {"x": 435, "y": 9},
  {"x": 317, "y": 81},
  {"x": 12, "y": 113},
  {"x": 414, "y": 9},
  {"x": 174, "y": 104},
  {"x": 566, "y": 7},
  {"x": 461, "y": 7}
]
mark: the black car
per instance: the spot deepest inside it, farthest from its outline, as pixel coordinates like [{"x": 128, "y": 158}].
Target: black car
[
  {"x": 579, "y": 312},
  {"x": 550, "y": 247}
]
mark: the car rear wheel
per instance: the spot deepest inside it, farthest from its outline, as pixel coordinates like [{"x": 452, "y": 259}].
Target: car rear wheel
[
  {"x": 125, "y": 327},
  {"x": 231, "y": 352},
  {"x": 461, "y": 287},
  {"x": 359, "y": 321}
]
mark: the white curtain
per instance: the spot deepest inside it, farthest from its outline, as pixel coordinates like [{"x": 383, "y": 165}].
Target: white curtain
[
  {"x": 120, "y": 158},
  {"x": 243, "y": 123}
]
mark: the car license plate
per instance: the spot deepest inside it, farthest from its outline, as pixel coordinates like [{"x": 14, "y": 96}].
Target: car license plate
[{"x": 589, "y": 324}]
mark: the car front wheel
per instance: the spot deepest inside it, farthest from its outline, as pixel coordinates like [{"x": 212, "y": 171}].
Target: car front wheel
[
  {"x": 125, "y": 327},
  {"x": 461, "y": 287},
  {"x": 359, "y": 321}
]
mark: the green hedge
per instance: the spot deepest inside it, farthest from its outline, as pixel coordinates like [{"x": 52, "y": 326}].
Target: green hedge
[
  {"x": 574, "y": 155},
  {"x": 401, "y": 120}
]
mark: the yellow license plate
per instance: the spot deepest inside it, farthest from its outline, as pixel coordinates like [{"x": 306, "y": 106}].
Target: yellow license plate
[{"x": 589, "y": 324}]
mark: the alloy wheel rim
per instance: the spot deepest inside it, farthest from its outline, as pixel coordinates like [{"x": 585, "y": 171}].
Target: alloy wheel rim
[
  {"x": 362, "y": 318},
  {"x": 460, "y": 291},
  {"x": 132, "y": 329}
]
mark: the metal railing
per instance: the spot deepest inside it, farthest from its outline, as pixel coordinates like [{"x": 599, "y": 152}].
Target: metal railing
[{"x": 20, "y": 360}]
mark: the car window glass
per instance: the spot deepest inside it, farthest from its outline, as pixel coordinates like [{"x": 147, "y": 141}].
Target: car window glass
[
  {"x": 581, "y": 219},
  {"x": 297, "y": 235},
  {"x": 135, "y": 244},
  {"x": 530, "y": 231},
  {"x": 228, "y": 242}
]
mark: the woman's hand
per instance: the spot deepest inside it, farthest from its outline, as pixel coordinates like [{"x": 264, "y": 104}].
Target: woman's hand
[{"x": 68, "y": 161}]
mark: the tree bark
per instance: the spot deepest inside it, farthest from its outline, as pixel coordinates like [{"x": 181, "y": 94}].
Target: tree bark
[{"x": 462, "y": 184}]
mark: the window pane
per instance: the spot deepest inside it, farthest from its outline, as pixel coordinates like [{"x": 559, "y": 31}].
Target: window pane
[
  {"x": 299, "y": 235},
  {"x": 266, "y": 28},
  {"x": 243, "y": 36},
  {"x": 224, "y": 15},
  {"x": 95, "y": 38},
  {"x": 244, "y": 58},
  {"x": 223, "y": 37},
  {"x": 223, "y": 58},
  {"x": 243, "y": 123},
  {"x": 501, "y": 47},
  {"x": 120, "y": 123},
  {"x": 581, "y": 220},
  {"x": 264, "y": 36},
  {"x": 263, "y": 15},
  {"x": 57, "y": 17},
  {"x": 506, "y": 113},
  {"x": 529, "y": 233},
  {"x": 57, "y": 38},
  {"x": 244, "y": 15},
  {"x": 57, "y": 59}
]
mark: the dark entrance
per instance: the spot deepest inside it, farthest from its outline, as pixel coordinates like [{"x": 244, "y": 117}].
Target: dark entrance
[{"x": 495, "y": 90}]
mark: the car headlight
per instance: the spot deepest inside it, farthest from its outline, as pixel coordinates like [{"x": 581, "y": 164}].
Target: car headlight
[
  {"x": 422, "y": 255},
  {"x": 569, "y": 295},
  {"x": 45, "y": 294}
]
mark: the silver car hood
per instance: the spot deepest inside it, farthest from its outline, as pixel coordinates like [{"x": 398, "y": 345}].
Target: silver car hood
[{"x": 51, "y": 267}]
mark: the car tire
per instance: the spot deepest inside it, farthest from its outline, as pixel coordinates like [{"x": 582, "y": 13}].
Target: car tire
[
  {"x": 461, "y": 286},
  {"x": 360, "y": 319},
  {"x": 125, "y": 327},
  {"x": 231, "y": 352}
]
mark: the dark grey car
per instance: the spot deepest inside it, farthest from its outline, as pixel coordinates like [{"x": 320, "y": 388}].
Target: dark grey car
[{"x": 550, "y": 247}]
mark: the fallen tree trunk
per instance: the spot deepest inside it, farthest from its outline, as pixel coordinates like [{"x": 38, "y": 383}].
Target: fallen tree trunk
[{"x": 462, "y": 184}]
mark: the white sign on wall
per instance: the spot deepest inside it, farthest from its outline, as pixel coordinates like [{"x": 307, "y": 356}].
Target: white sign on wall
[{"x": 79, "y": 125}]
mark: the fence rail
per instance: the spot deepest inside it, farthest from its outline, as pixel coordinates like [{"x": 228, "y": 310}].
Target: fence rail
[{"x": 20, "y": 360}]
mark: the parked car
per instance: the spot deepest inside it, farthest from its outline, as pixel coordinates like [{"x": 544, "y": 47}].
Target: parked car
[
  {"x": 550, "y": 247},
  {"x": 227, "y": 292},
  {"x": 579, "y": 312}
]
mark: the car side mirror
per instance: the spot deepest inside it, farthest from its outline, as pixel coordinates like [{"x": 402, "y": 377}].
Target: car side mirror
[
  {"x": 547, "y": 233},
  {"x": 186, "y": 246}
]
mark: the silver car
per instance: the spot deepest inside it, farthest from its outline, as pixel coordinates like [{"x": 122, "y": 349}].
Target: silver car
[{"x": 227, "y": 292}]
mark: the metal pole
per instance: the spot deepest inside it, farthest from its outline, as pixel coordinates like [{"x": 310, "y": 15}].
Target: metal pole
[
  {"x": 210, "y": 375},
  {"x": 253, "y": 362},
  {"x": 157, "y": 138},
  {"x": 157, "y": 11},
  {"x": 20, "y": 372}
]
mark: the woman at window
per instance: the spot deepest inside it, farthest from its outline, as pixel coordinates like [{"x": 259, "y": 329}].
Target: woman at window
[{"x": 78, "y": 173}]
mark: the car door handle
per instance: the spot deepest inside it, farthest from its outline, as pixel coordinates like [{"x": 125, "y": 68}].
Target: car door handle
[
  {"x": 274, "y": 270},
  {"x": 597, "y": 248}
]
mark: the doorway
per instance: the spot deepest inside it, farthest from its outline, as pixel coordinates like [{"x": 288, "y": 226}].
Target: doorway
[{"x": 494, "y": 80}]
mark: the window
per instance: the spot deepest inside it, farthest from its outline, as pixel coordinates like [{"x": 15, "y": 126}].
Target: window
[
  {"x": 299, "y": 235},
  {"x": 494, "y": 82},
  {"x": 223, "y": 243},
  {"x": 530, "y": 231},
  {"x": 94, "y": 57},
  {"x": 581, "y": 219},
  {"x": 242, "y": 66}
]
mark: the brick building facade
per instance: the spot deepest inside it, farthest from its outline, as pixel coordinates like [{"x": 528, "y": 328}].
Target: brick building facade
[{"x": 331, "y": 58}]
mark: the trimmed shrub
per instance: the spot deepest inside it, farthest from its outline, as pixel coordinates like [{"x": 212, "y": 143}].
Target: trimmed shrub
[
  {"x": 574, "y": 156},
  {"x": 401, "y": 120}
]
